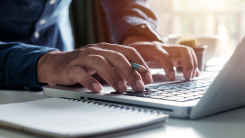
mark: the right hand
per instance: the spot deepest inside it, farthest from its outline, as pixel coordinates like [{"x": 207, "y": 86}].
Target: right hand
[{"x": 110, "y": 61}]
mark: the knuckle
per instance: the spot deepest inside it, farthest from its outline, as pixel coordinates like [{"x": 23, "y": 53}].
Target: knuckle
[
  {"x": 97, "y": 59},
  {"x": 86, "y": 50},
  {"x": 117, "y": 56},
  {"x": 132, "y": 51},
  {"x": 92, "y": 48}
]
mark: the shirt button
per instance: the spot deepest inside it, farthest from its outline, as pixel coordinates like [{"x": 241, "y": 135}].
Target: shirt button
[
  {"x": 36, "y": 35},
  {"x": 26, "y": 88},
  {"x": 52, "y": 1},
  {"x": 43, "y": 21}
]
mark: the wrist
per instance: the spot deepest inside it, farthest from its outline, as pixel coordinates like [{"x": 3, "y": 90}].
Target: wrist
[{"x": 43, "y": 67}]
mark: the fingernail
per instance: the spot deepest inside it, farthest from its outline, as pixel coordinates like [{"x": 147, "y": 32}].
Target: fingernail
[
  {"x": 172, "y": 75},
  {"x": 97, "y": 87},
  {"x": 148, "y": 78},
  {"x": 122, "y": 86},
  {"x": 140, "y": 85}
]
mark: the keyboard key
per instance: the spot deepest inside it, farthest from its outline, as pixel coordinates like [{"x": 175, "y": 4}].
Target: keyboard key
[
  {"x": 152, "y": 94},
  {"x": 167, "y": 95},
  {"x": 203, "y": 88},
  {"x": 154, "y": 87},
  {"x": 187, "y": 91},
  {"x": 188, "y": 87},
  {"x": 177, "y": 97},
  {"x": 200, "y": 92},
  {"x": 195, "y": 94},
  {"x": 198, "y": 86},
  {"x": 150, "y": 91},
  {"x": 161, "y": 92},
  {"x": 162, "y": 89},
  {"x": 194, "y": 90},
  {"x": 189, "y": 94},
  {"x": 153, "y": 90},
  {"x": 147, "y": 93},
  {"x": 199, "y": 96},
  {"x": 170, "y": 90},
  {"x": 140, "y": 95},
  {"x": 169, "y": 98},
  {"x": 183, "y": 95},
  {"x": 192, "y": 98}
]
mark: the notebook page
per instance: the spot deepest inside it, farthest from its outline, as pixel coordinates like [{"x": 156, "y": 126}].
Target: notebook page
[{"x": 71, "y": 118}]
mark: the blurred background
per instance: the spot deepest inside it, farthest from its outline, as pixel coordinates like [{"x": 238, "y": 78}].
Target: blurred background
[
  {"x": 223, "y": 20},
  {"x": 219, "y": 24}
]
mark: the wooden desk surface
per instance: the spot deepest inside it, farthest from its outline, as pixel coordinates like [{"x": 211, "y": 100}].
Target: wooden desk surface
[{"x": 228, "y": 124}]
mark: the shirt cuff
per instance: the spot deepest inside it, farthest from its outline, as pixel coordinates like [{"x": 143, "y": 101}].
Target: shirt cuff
[
  {"x": 128, "y": 23},
  {"x": 22, "y": 66}
]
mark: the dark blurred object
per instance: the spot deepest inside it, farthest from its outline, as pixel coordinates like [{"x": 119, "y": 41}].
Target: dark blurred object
[{"x": 88, "y": 21}]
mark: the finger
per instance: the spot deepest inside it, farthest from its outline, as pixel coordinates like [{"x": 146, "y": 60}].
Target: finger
[
  {"x": 175, "y": 62},
  {"x": 186, "y": 59},
  {"x": 165, "y": 61},
  {"x": 195, "y": 63},
  {"x": 132, "y": 56},
  {"x": 185, "y": 56},
  {"x": 197, "y": 72},
  {"x": 105, "y": 70},
  {"x": 123, "y": 67},
  {"x": 78, "y": 74}
]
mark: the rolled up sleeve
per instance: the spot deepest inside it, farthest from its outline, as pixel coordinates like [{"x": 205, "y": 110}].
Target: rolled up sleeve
[
  {"x": 18, "y": 63},
  {"x": 122, "y": 15}
]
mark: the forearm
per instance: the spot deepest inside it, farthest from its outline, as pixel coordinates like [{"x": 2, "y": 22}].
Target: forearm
[
  {"x": 125, "y": 14},
  {"x": 18, "y": 65}
]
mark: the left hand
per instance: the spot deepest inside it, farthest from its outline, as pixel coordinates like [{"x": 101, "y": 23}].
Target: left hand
[{"x": 167, "y": 56}]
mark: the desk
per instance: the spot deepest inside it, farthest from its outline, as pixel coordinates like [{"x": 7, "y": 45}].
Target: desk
[{"x": 230, "y": 124}]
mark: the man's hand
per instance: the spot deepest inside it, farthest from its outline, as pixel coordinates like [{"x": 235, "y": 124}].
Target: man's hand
[
  {"x": 110, "y": 61},
  {"x": 167, "y": 56}
]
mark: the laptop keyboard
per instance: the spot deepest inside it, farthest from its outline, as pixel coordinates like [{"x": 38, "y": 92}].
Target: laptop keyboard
[{"x": 179, "y": 92}]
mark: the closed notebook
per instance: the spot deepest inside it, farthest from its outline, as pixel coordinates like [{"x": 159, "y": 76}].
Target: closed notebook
[{"x": 72, "y": 118}]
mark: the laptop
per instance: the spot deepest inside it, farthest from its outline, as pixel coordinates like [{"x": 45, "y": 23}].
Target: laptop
[{"x": 192, "y": 99}]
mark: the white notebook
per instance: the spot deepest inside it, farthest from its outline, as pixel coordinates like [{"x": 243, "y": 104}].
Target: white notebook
[{"x": 72, "y": 118}]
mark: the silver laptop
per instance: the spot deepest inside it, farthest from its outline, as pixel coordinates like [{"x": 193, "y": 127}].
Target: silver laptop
[{"x": 180, "y": 99}]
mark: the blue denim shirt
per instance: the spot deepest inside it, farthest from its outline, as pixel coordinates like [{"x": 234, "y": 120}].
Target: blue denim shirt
[{"x": 29, "y": 29}]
